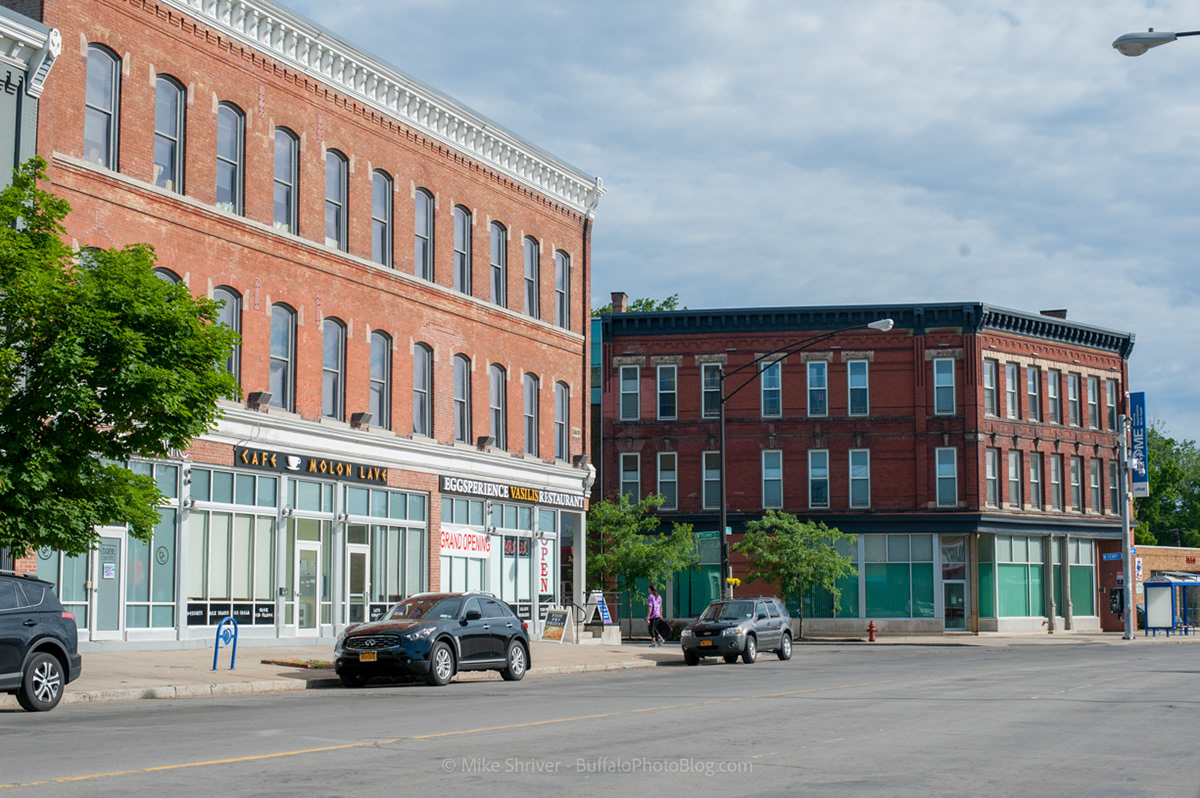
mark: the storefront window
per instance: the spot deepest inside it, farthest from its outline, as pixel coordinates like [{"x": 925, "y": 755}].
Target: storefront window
[
  {"x": 898, "y": 573},
  {"x": 69, "y": 575},
  {"x": 818, "y": 602},
  {"x": 1083, "y": 577},
  {"x": 1020, "y": 576},
  {"x": 150, "y": 567},
  {"x": 396, "y": 553}
]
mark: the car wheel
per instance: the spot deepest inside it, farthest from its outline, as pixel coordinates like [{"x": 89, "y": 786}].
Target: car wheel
[
  {"x": 354, "y": 679},
  {"x": 750, "y": 652},
  {"x": 42, "y": 686},
  {"x": 518, "y": 663},
  {"x": 690, "y": 658},
  {"x": 731, "y": 658},
  {"x": 441, "y": 665},
  {"x": 785, "y": 647}
]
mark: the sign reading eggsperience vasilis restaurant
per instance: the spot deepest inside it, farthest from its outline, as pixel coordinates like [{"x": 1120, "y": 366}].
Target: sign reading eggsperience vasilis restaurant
[
  {"x": 500, "y": 490},
  {"x": 309, "y": 466}
]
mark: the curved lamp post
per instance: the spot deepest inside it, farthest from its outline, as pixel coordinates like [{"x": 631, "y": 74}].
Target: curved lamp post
[
  {"x": 883, "y": 325},
  {"x": 1132, "y": 44}
]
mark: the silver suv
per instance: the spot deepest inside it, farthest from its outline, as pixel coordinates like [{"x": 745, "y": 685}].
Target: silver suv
[{"x": 739, "y": 627}]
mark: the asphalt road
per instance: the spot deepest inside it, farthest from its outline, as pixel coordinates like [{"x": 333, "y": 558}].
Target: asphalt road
[{"x": 1068, "y": 720}]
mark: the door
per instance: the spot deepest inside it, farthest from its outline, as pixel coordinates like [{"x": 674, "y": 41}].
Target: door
[
  {"x": 358, "y": 582},
  {"x": 108, "y": 590},
  {"x": 14, "y": 635},
  {"x": 954, "y": 596},
  {"x": 308, "y": 590},
  {"x": 768, "y": 628},
  {"x": 954, "y": 583},
  {"x": 474, "y": 635}
]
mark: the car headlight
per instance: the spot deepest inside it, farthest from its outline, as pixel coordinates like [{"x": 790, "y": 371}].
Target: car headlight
[
  {"x": 421, "y": 633},
  {"x": 686, "y": 633},
  {"x": 732, "y": 631}
]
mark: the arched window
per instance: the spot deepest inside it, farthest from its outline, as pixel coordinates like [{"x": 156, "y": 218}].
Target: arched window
[
  {"x": 562, "y": 421},
  {"x": 381, "y": 218},
  {"x": 168, "y": 134},
  {"x": 531, "y": 415},
  {"x": 287, "y": 171},
  {"x": 562, "y": 289},
  {"x": 423, "y": 234},
  {"x": 333, "y": 369},
  {"x": 498, "y": 406},
  {"x": 422, "y": 385},
  {"x": 166, "y": 274},
  {"x": 532, "y": 267},
  {"x": 231, "y": 138},
  {"x": 381, "y": 380},
  {"x": 283, "y": 357},
  {"x": 499, "y": 238},
  {"x": 462, "y": 249},
  {"x": 100, "y": 108},
  {"x": 462, "y": 399},
  {"x": 231, "y": 316},
  {"x": 335, "y": 200}
]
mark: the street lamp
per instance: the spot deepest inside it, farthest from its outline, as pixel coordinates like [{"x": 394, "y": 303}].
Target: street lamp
[
  {"x": 1132, "y": 44},
  {"x": 883, "y": 325}
]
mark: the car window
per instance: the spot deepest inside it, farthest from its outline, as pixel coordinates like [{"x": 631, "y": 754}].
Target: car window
[
  {"x": 431, "y": 609},
  {"x": 473, "y": 604},
  {"x": 494, "y": 609},
  {"x": 8, "y": 595},
  {"x": 773, "y": 608},
  {"x": 760, "y": 609},
  {"x": 728, "y": 611}
]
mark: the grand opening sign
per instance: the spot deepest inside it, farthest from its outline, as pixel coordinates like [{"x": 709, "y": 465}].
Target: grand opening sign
[{"x": 462, "y": 541}]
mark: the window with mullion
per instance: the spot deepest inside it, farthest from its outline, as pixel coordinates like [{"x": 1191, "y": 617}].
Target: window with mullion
[
  {"x": 1094, "y": 482},
  {"x": 531, "y": 415},
  {"x": 1056, "y": 486},
  {"x": 1011, "y": 391},
  {"x": 499, "y": 250},
  {"x": 630, "y": 395},
  {"x": 991, "y": 477},
  {"x": 943, "y": 386},
  {"x": 333, "y": 369},
  {"x": 710, "y": 389},
  {"x": 100, "y": 106},
  {"x": 857, "y": 388},
  {"x": 860, "y": 478},
  {"x": 1073, "y": 400},
  {"x": 381, "y": 380},
  {"x": 562, "y": 289},
  {"x": 532, "y": 277},
  {"x": 287, "y": 169},
  {"x": 1035, "y": 480},
  {"x": 462, "y": 249},
  {"x": 667, "y": 393},
  {"x": 990, "y": 368},
  {"x": 168, "y": 134},
  {"x": 283, "y": 357},
  {"x": 771, "y": 389},
  {"x": 1033, "y": 390},
  {"x": 381, "y": 218},
  {"x": 1110, "y": 390},
  {"x": 668, "y": 480},
  {"x": 947, "y": 476},
  {"x": 498, "y": 406},
  {"x": 1014, "y": 479},
  {"x": 335, "y": 200},
  {"x": 231, "y": 131},
  {"x": 230, "y": 315},
  {"x": 462, "y": 399},
  {"x": 1053, "y": 396},
  {"x": 631, "y": 477},
  {"x": 712, "y": 480},
  {"x": 1077, "y": 484},
  {"x": 423, "y": 234},
  {"x": 422, "y": 385},
  {"x": 772, "y": 479},
  {"x": 1114, "y": 488},
  {"x": 562, "y": 421},
  {"x": 1093, "y": 402},
  {"x": 818, "y": 478},
  {"x": 818, "y": 388}
]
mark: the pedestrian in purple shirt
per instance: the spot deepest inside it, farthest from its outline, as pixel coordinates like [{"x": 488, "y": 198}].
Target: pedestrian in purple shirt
[{"x": 654, "y": 619}]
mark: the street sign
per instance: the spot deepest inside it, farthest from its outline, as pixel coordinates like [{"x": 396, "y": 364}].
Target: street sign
[
  {"x": 1116, "y": 555},
  {"x": 711, "y": 535},
  {"x": 1141, "y": 452}
]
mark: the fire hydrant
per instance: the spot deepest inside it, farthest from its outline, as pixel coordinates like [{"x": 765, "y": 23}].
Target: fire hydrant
[{"x": 871, "y": 632}]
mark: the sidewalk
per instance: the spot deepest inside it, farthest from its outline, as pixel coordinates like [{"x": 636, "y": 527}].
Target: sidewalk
[{"x": 187, "y": 673}]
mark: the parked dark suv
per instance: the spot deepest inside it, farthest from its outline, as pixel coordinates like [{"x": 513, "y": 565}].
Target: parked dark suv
[
  {"x": 435, "y": 635},
  {"x": 739, "y": 627},
  {"x": 38, "y": 642}
]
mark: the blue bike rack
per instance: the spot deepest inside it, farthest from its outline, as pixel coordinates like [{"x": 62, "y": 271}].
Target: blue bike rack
[{"x": 227, "y": 632}]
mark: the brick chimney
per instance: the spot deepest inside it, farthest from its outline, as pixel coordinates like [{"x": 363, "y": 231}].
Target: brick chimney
[
  {"x": 620, "y": 301},
  {"x": 1058, "y": 314}
]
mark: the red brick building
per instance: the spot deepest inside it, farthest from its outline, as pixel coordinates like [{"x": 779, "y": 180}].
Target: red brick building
[
  {"x": 972, "y": 449},
  {"x": 411, "y": 284}
]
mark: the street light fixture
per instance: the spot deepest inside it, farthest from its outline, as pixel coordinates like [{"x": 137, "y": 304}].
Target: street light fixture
[
  {"x": 1133, "y": 44},
  {"x": 883, "y": 325}
]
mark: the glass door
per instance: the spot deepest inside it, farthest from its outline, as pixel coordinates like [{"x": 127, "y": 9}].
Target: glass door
[
  {"x": 108, "y": 590},
  {"x": 954, "y": 583},
  {"x": 308, "y": 587},
  {"x": 358, "y": 582}
]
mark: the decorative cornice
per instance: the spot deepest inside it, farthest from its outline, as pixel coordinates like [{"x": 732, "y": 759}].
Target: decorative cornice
[
  {"x": 301, "y": 45},
  {"x": 31, "y": 47}
]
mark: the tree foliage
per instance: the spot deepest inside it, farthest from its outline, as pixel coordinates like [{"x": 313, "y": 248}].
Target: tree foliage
[
  {"x": 627, "y": 545},
  {"x": 791, "y": 554},
  {"x": 1170, "y": 515},
  {"x": 644, "y": 305},
  {"x": 100, "y": 361}
]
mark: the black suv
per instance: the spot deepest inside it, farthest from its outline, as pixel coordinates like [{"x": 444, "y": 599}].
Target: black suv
[
  {"x": 739, "y": 627},
  {"x": 38, "y": 642},
  {"x": 435, "y": 635}
]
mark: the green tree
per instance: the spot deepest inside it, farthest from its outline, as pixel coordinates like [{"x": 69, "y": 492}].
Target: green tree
[
  {"x": 1170, "y": 515},
  {"x": 644, "y": 305},
  {"x": 794, "y": 555},
  {"x": 100, "y": 361},
  {"x": 627, "y": 545}
]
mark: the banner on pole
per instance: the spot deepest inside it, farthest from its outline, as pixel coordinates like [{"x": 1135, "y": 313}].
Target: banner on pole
[{"x": 1141, "y": 448}]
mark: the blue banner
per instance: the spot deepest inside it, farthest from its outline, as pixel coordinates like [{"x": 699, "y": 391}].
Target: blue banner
[{"x": 1140, "y": 446}]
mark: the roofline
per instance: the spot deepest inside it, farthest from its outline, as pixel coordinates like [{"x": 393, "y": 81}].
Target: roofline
[
  {"x": 971, "y": 317},
  {"x": 307, "y": 47}
]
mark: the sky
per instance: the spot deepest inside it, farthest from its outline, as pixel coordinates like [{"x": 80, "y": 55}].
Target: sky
[{"x": 844, "y": 152}]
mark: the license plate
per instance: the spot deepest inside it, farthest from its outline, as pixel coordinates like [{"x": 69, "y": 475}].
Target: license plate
[
  {"x": 366, "y": 656},
  {"x": 706, "y": 642}
]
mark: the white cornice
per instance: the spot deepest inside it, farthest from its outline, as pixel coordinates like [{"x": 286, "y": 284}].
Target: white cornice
[
  {"x": 297, "y": 43},
  {"x": 31, "y": 50}
]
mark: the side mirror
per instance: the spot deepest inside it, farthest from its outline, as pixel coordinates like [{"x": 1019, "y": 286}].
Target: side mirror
[
  {"x": 762, "y": 616},
  {"x": 473, "y": 615}
]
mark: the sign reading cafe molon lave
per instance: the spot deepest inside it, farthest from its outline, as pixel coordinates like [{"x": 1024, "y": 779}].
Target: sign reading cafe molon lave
[
  {"x": 246, "y": 457},
  {"x": 500, "y": 490}
]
